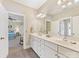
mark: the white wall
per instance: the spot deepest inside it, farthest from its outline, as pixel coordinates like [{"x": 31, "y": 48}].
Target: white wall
[
  {"x": 54, "y": 28},
  {"x": 75, "y": 26},
  {"x": 29, "y": 19},
  {"x": 3, "y": 31}
]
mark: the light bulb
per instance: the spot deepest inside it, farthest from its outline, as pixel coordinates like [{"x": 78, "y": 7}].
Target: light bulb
[
  {"x": 43, "y": 15},
  {"x": 76, "y": 1},
  {"x": 69, "y": 3},
  {"x": 59, "y": 2},
  {"x": 39, "y": 15},
  {"x": 63, "y": 6},
  {"x": 64, "y": 0}
]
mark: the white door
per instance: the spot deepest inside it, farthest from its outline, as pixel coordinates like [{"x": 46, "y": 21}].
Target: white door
[{"x": 3, "y": 32}]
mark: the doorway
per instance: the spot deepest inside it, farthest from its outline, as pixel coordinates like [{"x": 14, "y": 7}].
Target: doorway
[{"x": 15, "y": 30}]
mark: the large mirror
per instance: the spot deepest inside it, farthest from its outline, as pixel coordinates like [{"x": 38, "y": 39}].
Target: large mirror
[
  {"x": 45, "y": 26},
  {"x": 65, "y": 27},
  {"x": 69, "y": 26}
]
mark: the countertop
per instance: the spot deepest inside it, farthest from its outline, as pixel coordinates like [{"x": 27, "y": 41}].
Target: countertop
[{"x": 59, "y": 41}]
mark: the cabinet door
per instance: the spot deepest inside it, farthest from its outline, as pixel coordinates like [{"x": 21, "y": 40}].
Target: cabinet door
[
  {"x": 51, "y": 45},
  {"x": 35, "y": 44},
  {"x": 31, "y": 42},
  {"x": 67, "y": 52},
  {"x": 61, "y": 56},
  {"x": 42, "y": 51},
  {"x": 48, "y": 53}
]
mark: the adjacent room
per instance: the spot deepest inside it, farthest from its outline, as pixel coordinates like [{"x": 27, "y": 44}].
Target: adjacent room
[{"x": 15, "y": 30}]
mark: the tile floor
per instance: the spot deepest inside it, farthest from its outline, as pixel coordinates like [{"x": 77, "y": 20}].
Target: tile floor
[
  {"x": 21, "y": 53},
  {"x": 17, "y": 51},
  {"x": 14, "y": 42}
]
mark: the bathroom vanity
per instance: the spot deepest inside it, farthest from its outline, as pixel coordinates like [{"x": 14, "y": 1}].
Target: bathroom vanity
[
  {"x": 59, "y": 39},
  {"x": 54, "y": 47}
]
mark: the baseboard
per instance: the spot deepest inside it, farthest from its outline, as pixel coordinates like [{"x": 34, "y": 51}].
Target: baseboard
[{"x": 27, "y": 47}]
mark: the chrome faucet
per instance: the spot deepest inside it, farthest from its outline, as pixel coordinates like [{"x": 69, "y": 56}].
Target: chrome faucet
[{"x": 65, "y": 37}]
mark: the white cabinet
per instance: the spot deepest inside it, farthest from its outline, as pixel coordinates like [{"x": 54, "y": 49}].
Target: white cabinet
[
  {"x": 46, "y": 49},
  {"x": 31, "y": 42},
  {"x": 67, "y": 52},
  {"x": 49, "y": 53},
  {"x": 46, "y": 52},
  {"x": 61, "y": 55},
  {"x": 42, "y": 48},
  {"x": 35, "y": 44},
  {"x": 42, "y": 51},
  {"x": 51, "y": 45}
]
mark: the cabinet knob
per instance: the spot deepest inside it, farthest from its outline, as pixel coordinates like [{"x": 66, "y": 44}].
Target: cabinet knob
[
  {"x": 2, "y": 38},
  {"x": 56, "y": 55}
]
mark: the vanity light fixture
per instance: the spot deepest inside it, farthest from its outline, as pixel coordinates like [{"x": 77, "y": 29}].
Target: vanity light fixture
[
  {"x": 38, "y": 15},
  {"x": 69, "y": 3},
  {"x": 64, "y": 3},
  {"x": 59, "y": 2},
  {"x": 63, "y": 6},
  {"x": 41, "y": 15},
  {"x": 76, "y": 1}
]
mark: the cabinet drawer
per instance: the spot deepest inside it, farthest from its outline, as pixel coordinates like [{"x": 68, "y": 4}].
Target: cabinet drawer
[
  {"x": 61, "y": 56},
  {"x": 51, "y": 45},
  {"x": 68, "y": 52}
]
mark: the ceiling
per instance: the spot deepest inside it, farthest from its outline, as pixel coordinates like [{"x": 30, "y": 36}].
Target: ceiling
[
  {"x": 51, "y": 7},
  {"x": 32, "y": 3},
  {"x": 47, "y": 6}
]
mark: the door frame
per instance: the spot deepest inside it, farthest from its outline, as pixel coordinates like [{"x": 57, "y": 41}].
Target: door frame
[{"x": 23, "y": 25}]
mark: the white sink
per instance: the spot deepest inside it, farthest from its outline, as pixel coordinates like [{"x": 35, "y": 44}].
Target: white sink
[{"x": 71, "y": 42}]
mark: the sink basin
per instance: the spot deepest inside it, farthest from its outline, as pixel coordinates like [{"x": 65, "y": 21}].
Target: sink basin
[
  {"x": 71, "y": 41},
  {"x": 48, "y": 36}
]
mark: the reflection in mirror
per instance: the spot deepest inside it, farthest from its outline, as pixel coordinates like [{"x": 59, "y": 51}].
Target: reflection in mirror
[
  {"x": 45, "y": 27},
  {"x": 65, "y": 27},
  {"x": 75, "y": 21},
  {"x": 48, "y": 27},
  {"x": 42, "y": 26}
]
